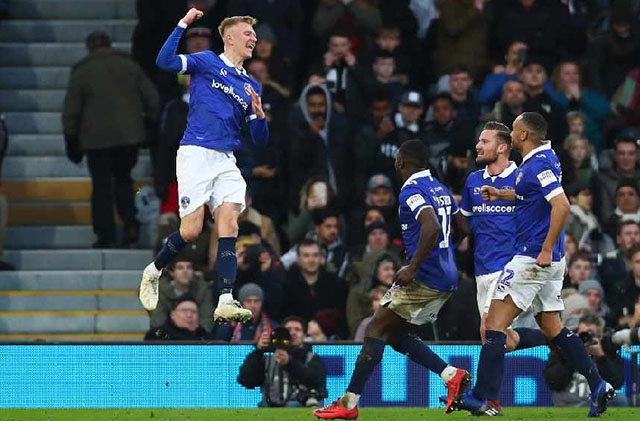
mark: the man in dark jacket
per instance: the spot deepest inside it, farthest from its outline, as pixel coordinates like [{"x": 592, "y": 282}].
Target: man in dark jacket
[
  {"x": 291, "y": 376},
  {"x": 183, "y": 323},
  {"x": 569, "y": 388},
  {"x": 108, "y": 102}
]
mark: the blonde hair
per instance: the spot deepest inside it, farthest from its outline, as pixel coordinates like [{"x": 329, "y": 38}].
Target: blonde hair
[
  {"x": 233, "y": 20},
  {"x": 572, "y": 139}
]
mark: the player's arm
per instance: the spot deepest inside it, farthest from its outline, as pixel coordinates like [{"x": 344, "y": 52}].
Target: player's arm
[
  {"x": 167, "y": 59},
  {"x": 559, "y": 213},
  {"x": 429, "y": 231},
  {"x": 460, "y": 227},
  {"x": 258, "y": 120},
  {"x": 491, "y": 194}
]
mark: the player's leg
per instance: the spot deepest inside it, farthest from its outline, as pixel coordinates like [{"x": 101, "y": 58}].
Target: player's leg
[
  {"x": 226, "y": 224},
  {"x": 194, "y": 176},
  {"x": 227, "y": 203}
]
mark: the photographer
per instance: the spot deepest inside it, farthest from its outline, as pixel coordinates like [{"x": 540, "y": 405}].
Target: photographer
[
  {"x": 569, "y": 388},
  {"x": 284, "y": 367}
]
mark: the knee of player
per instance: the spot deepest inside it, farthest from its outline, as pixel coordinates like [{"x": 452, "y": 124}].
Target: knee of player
[{"x": 190, "y": 233}]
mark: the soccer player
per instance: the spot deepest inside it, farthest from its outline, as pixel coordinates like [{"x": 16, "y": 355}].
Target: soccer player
[
  {"x": 493, "y": 227},
  {"x": 223, "y": 99},
  {"x": 533, "y": 277},
  {"x": 427, "y": 213}
]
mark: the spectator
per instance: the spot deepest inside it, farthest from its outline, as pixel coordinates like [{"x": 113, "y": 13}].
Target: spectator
[
  {"x": 625, "y": 104},
  {"x": 263, "y": 222},
  {"x": 439, "y": 132},
  {"x": 384, "y": 68},
  {"x": 627, "y": 205},
  {"x": 325, "y": 326},
  {"x": 570, "y": 246},
  {"x": 580, "y": 268},
  {"x": 257, "y": 263},
  {"x": 576, "y": 161},
  {"x": 316, "y": 194},
  {"x": 108, "y": 103},
  {"x": 617, "y": 263},
  {"x": 380, "y": 195},
  {"x": 465, "y": 101},
  {"x": 291, "y": 376},
  {"x": 182, "y": 281},
  {"x": 576, "y": 121},
  {"x": 309, "y": 287},
  {"x": 567, "y": 81},
  {"x": 624, "y": 292},
  {"x": 613, "y": 54},
  {"x": 607, "y": 179},
  {"x": 594, "y": 293},
  {"x": 582, "y": 225},
  {"x": 492, "y": 85},
  {"x": 390, "y": 39},
  {"x": 461, "y": 37},
  {"x": 327, "y": 234},
  {"x": 369, "y": 138},
  {"x": 182, "y": 324},
  {"x": 569, "y": 388},
  {"x": 375, "y": 295},
  {"x": 534, "y": 77},
  {"x": 455, "y": 167},
  {"x": 381, "y": 273},
  {"x": 377, "y": 241},
  {"x": 197, "y": 39},
  {"x": 251, "y": 296},
  {"x": 407, "y": 126},
  {"x": 279, "y": 65},
  {"x": 319, "y": 145},
  {"x": 343, "y": 77},
  {"x": 510, "y": 105}
]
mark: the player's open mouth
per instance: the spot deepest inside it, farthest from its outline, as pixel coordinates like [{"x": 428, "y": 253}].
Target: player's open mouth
[{"x": 251, "y": 46}]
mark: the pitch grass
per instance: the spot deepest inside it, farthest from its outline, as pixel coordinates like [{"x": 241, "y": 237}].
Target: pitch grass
[{"x": 286, "y": 414}]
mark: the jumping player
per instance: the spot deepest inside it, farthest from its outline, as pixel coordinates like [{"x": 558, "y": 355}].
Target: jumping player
[{"x": 223, "y": 99}]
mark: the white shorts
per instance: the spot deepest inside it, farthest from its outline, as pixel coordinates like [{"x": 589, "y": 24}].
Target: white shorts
[
  {"x": 530, "y": 285},
  {"x": 485, "y": 285},
  {"x": 207, "y": 176}
]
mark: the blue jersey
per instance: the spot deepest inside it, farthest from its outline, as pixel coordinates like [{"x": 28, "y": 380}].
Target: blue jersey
[
  {"x": 492, "y": 223},
  {"x": 538, "y": 181},
  {"x": 420, "y": 191},
  {"x": 220, "y": 99}
]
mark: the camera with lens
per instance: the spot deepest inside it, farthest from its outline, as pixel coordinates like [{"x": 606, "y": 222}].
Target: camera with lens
[
  {"x": 280, "y": 339},
  {"x": 252, "y": 255},
  {"x": 588, "y": 338},
  {"x": 614, "y": 340}
]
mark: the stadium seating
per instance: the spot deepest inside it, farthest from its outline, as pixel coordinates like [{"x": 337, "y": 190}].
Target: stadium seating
[{"x": 63, "y": 289}]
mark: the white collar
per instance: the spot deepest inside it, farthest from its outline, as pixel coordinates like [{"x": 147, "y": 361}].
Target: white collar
[
  {"x": 228, "y": 62},
  {"x": 546, "y": 146},
  {"x": 504, "y": 174},
  {"x": 419, "y": 174}
]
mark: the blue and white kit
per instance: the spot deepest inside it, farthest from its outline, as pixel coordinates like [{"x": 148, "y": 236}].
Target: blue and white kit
[{"x": 219, "y": 107}]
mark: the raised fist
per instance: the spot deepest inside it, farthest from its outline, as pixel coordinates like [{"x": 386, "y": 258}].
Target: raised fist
[{"x": 192, "y": 15}]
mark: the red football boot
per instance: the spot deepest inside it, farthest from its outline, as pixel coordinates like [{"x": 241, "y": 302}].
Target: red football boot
[
  {"x": 455, "y": 388},
  {"x": 336, "y": 411}
]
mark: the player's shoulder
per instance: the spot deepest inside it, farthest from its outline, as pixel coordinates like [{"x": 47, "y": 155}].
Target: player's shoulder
[{"x": 475, "y": 177}]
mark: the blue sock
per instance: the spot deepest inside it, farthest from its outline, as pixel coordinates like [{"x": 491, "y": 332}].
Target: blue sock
[
  {"x": 226, "y": 263},
  {"x": 170, "y": 249},
  {"x": 418, "y": 352},
  {"x": 369, "y": 357},
  {"x": 491, "y": 365},
  {"x": 530, "y": 338},
  {"x": 573, "y": 350}
]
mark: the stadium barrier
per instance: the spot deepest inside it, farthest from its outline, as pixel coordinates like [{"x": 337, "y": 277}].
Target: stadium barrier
[{"x": 204, "y": 376}]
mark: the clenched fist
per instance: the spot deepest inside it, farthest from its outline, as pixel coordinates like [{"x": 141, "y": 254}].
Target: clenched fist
[{"x": 192, "y": 15}]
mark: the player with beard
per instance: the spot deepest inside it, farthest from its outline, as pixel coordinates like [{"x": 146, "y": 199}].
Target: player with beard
[{"x": 493, "y": 228}]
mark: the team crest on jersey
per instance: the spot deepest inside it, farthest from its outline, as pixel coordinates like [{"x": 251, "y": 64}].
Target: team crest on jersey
[
  {"x": 247, "y": 88},
  {"x": 184, "y": 201},
  {"x": 223, "y": 72}
]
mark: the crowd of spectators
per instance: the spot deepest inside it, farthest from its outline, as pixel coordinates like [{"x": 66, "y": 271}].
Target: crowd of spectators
[{"x": 344, "y": 83}]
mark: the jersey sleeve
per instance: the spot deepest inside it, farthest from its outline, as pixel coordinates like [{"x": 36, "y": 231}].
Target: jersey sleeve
[
  {"x": 415, "y": 200},
  {"x": 548, "y": 178},
  {"x": 194, "y": 63},
  {"x": 465, "y": 201}
]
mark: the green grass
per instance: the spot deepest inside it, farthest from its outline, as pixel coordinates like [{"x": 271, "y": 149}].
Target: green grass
[{"x": 366, "y": 414}]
